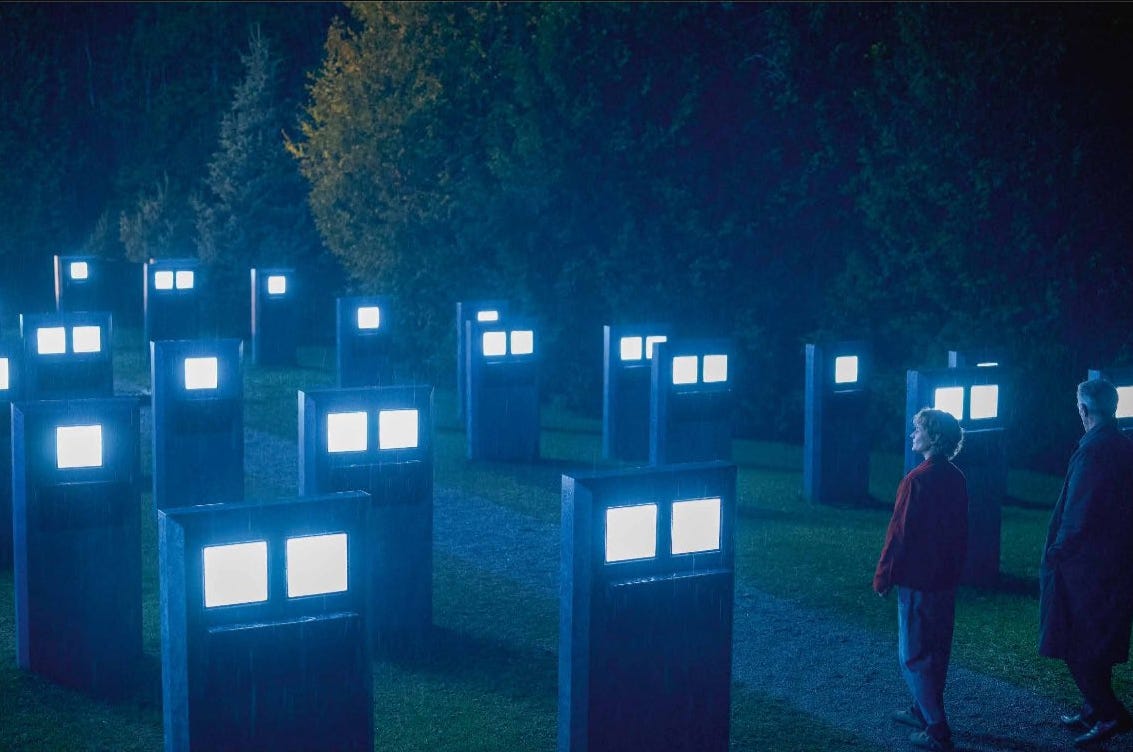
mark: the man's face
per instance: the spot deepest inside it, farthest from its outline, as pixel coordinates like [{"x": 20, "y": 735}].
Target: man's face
[
  {"x": 1082, "y": 413},
  {"x": 921, "y": 443}
]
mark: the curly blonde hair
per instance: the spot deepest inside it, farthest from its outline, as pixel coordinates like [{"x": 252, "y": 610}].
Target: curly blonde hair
[{"x": 943, "y": 430}]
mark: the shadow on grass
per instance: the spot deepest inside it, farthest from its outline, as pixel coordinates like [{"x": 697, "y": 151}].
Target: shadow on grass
[
  {"x": 508, "y": 669},
  {"x": 1034, "y": 506}
]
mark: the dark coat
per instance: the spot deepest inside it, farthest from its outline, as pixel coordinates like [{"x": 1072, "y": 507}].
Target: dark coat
[{"x": 1086, "y": 578}]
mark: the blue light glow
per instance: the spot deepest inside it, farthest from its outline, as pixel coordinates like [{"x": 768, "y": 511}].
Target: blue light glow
[
  {"x": 185, "y": 279},
  {"x": 696, "y": 526},
  {"x": 201, "y": 373},
  {"x": 346, "y": 432},
  {"x": 4, "y": 383},
  {"x": 631, "y": 532},
  {"x": 1125, "y": 402},
  {"x": 369, "y": 317},
  {"x": 163, "y": 280},
  {"x": 51, "y": 340},
  {"x": 715, "y": 369},
  {"x": 487, "y": 315},
  {"x": 685, "y": 369},
  {"x": 950, "y": 399},
  {"x": 236, "y": 573},
  {"x": 397, "y": 429},
  {"x": 630, "y": 348},
  {"x": 277, "y": 284},
  {"x": 522, "y": 342},
  {"x": 652, "y": 340},
  {"x": 78, "y": 446},
  {"x": 984, "y": 402},
  {"x": 846, "y": 369},
  {"x": 494, "y": 343},
  {"x": 86, "y": 339},
  {"x": 79, "y": 270},
  {"x": 316, "y": 565}
]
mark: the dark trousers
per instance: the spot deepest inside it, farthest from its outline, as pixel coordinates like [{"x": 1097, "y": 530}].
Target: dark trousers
[
  {"x": 924, "y": 644},
  {"x": 1095, "y": 682}
]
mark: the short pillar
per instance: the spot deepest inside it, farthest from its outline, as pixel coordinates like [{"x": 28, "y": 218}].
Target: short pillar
[
  {"x": 171, "y": 299},
  {"x": 484, "y": 311},
  {"x": 363, "y": 341},
  {"x": 835, "y": 433},
  {"x": 274, "y": 316},
  {"x": 502, "y": 404},
  {"x": 80, "y": 283},
  {"x": 690, "y": 417},
  {"x": 264, "y": 640},
  {"x": 646, "y": 603},
  {"x": 627, "y": 372},
  {"x": 67, "y": 355},
  {"x": 77, "y": 542}
]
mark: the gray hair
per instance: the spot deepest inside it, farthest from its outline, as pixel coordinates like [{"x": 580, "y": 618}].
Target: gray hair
[{"x": 1099, "y": 396}]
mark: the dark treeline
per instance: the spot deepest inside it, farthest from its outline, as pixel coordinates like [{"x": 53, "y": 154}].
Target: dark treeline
[{"x": 927, "y": 177}]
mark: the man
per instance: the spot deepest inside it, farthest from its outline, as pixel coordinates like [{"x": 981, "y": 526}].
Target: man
[
  {"x": 923, "y": 557},
  {"x": 1086, "y": 590}
]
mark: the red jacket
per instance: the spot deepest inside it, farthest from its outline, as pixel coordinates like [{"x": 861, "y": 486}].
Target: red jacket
[{"x": 927, "y": 538}]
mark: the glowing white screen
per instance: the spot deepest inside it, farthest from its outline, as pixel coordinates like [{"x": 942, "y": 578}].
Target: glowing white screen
[
  {"x": 397, "y": 429},
  {"x": 4, "y": 373},
  {"x": 369, "y": 317},
  {"x": 522, "y": 342},
  {"x": 185, "y": 280},
  {"x": 988, "y": 364},
  {"x": 236, "y": 573},
  {"x": 950, "y": 399},
  {"x": 846, "y": 369},
  {"x": 78, "y": 446},
  {"x": 346, "y": 432},
  {"x": 696, "y": 526},
  {"x": 86, "y": 339},
  {"x": 201, "y": 373},
  {"x": 984, "y": 402},
  {"x": 652, "y": 340},
  {"x": 316, "y": 564},
  {"x": 1125, "y": 402},
  {"x": 630, "y": 348},
  {"x": 51, "y": 340},
  {"x": 631, "y": 532},
  {"x": 495, "y": 343},
  {"x": 715, "y": 368},
  {"x": 79, "y": 270},
  {"x": 487, "y": 315},
  {"x": 163, "y": 280},
  {"x": 277, "y": 284},
  {"x": 684, "y": 369}
]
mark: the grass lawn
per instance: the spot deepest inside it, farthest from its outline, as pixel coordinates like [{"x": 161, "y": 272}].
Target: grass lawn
[{"x": 489, "y": 679}]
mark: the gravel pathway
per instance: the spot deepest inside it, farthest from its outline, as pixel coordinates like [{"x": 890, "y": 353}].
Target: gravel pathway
[{"x": 850, "y": 682}]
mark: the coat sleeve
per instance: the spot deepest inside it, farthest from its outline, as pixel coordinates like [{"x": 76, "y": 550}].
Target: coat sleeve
[
  {"x": 893, "y": 552},
  {"x": 1086, "y": 497}
]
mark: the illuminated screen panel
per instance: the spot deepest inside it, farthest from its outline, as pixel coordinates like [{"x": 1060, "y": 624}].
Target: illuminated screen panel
[
  {"x": 950, "y": 399},
  {"x": 522, "y": 342},
  {"x": 495, "y": 343},
  {"x": 86, "y": 339},
  {"x": 651, "y": 341},
  {"x": 277, "y": 284},
  {"x": 316, "y": 565},
  {"x": 1125, "y": 402},
  {"x": 369, "y": 317},
  {"x": 696, "y": 526},
  {"x": 684, "y": 369},
  {"x": 487, "y": 315},
  {"x": 715, "y": 369},
  {"x": 4, "y": 376},
  {"x": 163, "y": 280},
  {"x": 79, "y": 270},
  {"x": 630, "y": 348},
  {"x": 846, "y": 369},
  {"x": 236, "y": 573},
  {"x": 346, "y": 432},
  {"x": 185, "y": 279},
  {"x": 987, "y": 364},
  {"x": 984, "y": 402},
  {"x": 201, "y": 373},
  {"x": 397, "y": 429},
  {"x": 631, "y": 532},
  {"x": 78, "y": 446},
  {"x": 51, "y": 340}
]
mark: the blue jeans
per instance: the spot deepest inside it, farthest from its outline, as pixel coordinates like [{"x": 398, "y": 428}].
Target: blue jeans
[{"x": 924, "y": 644}]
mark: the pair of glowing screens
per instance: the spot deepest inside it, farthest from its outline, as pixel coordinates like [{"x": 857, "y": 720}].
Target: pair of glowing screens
[
  {"x": 78, "y": 446},
  {"x": 630, "y": 348},
  {"x": 168, "y": 280},
  {"x": 52, "y": 340},
  {"x": 983, "y": 402},
  {"x": 518, "y": 342},
  {"x": 349, "y": 432},
  {"x": 687, "y": 369},
  {"x": 79, "y": 270},
  {"x": 631, "y": 531},
  {"x": 237, "y": 573}
]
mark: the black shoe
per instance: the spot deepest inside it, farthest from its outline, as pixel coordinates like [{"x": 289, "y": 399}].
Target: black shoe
[
  {"x": 1103, "y": 731},
  {"x": 1081, "y": 721}
]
